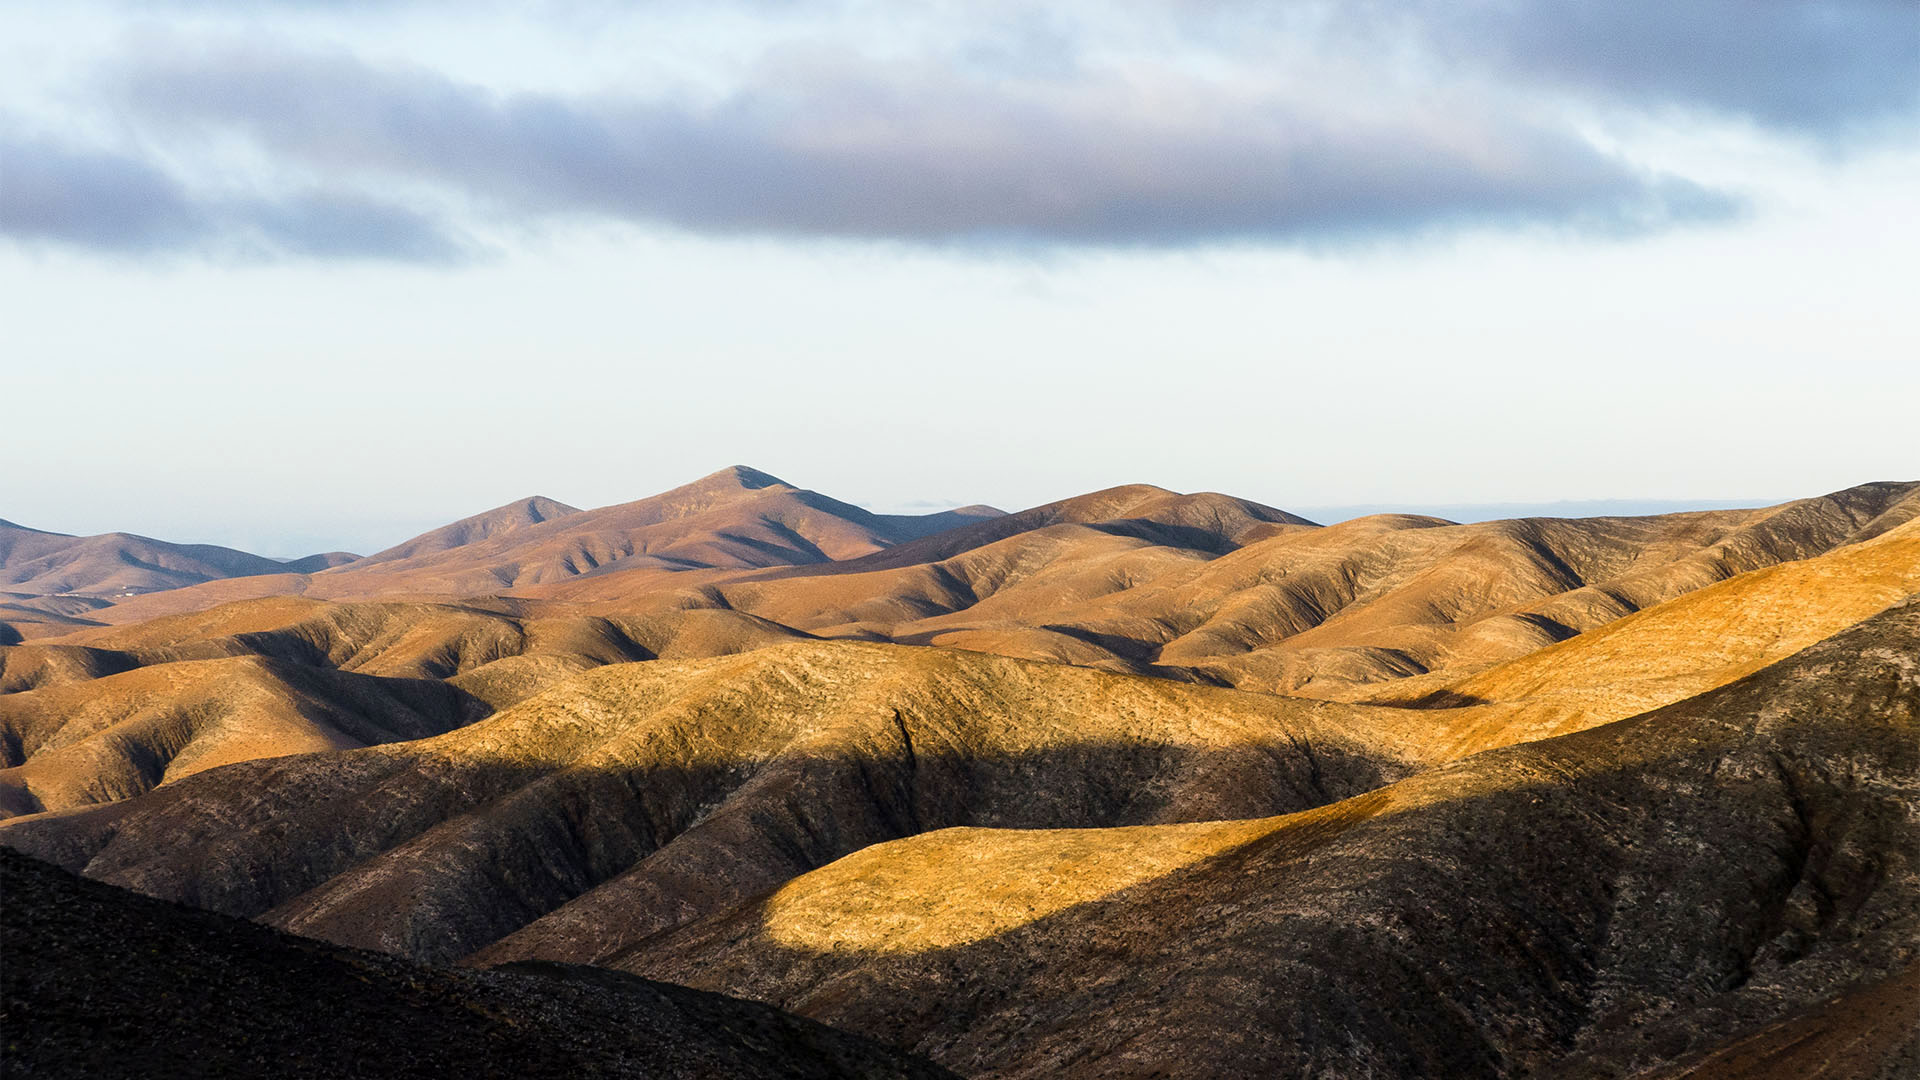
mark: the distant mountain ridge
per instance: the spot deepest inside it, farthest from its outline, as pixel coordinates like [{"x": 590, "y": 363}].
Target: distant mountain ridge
[
  {"x": 518, "y": 514},
  {"x": 1132, "y": 783},
  {"x": 40, "y": 563}
]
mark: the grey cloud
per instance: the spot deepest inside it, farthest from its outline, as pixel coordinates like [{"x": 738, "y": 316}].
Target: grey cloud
[
  {"x": 111, "y": 202},
  {"x": 827, "y": 147},
  {"x": 90, "y": 199},
  {"x": 1824, "y": 68},
  {"x": 337, "y": 226}
]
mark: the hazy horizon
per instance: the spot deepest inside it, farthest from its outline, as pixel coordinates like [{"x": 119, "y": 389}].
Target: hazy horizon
[
  {"x": 316, "y": 274},
  {"x": 273, "y": 541}
]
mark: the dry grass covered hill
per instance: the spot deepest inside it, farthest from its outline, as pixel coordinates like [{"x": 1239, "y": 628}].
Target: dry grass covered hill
[{"x": 1135, "y": 783}]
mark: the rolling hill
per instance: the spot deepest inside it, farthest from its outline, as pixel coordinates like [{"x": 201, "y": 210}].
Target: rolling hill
[
  {"x": 35, "y": 563},
  {"x": 1677, "y": 888},
  {"x": 1134, "y": 783}
]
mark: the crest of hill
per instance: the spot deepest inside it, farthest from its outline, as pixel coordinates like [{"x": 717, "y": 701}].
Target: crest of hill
[
  {"x": 113, "y": 564},
  {"x": 737, "y": 518},
  {"x": 125, "y": 733},
  {"x": 501, "y": 519},
  {"x": 313, "y": 564},
  {"x": 1733, "y": 879},
  {"x": 1286, "y": 606},
  {"x": 1206, "y": 521},
  {"x": 648, "y": 793},
  {"x": 101, "y": 982}
]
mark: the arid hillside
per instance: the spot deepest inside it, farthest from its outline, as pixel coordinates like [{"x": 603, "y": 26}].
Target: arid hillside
[
  {"x": 659, "y": 790},
  {"x": 734, "y": 519},
  {"x": 1657, "y": 891},
  {"x": 1134, "y": 783},
  {"x": 50, "y": 582}
]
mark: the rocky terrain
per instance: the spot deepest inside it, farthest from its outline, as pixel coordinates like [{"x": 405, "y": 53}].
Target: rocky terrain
[
  {"x": 1134, "y": 783},
  {"x": 1600, "y": 904}
]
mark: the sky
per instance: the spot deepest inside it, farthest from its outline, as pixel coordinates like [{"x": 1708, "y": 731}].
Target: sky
[{"x": 297, "y": 276}]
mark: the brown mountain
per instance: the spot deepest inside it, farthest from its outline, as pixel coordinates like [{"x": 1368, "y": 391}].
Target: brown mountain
[
  {"x": 734, "y": 519},
  {"x": 469, "y": 530},
  {"x": 702, "y": 783},
  {"x": 1681, "y": 887},
  {"x": 1254, "y": 601},
  {"x": 36, "y": 563},
  {"x": 1134, "y": 783},
  {"x": 100, "y": 982},
  {"x": 1378, "y": 599}
]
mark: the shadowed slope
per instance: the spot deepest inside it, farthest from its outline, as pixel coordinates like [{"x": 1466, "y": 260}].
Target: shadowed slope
[
  {"x": 121, "y": 735},
  {"x": 678, "y": 788},
  {"x": 101, "y": 982},
  {"x": 1612, "y": 900}
]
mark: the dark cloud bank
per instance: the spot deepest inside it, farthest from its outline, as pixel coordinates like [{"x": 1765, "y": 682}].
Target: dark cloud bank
[{"x": 837, "y": 148}]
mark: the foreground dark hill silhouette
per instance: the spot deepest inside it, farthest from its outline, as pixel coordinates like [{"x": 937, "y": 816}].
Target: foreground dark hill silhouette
[{"x": 100, "y": 982}]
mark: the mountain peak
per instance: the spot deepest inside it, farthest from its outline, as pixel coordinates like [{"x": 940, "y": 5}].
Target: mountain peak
[
  {"x": 744, "y": 476},
  {"x": 518, "y": 514}
]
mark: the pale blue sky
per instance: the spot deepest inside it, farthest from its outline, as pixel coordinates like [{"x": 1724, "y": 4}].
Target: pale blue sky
[{"x": 304, "y": 275}]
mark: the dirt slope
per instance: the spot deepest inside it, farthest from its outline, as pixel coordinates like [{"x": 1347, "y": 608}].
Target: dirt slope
[
  {"x": 1667, "y": 887},
  {"x": 35, "y": 563},
  {"x": 650, "y": 793}
]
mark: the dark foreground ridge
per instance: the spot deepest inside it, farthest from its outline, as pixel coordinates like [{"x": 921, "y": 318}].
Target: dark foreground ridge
[{"x": 102, "y": 982}]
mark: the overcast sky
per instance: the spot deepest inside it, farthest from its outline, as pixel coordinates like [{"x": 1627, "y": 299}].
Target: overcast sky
[{"x": 309, "y": 275}]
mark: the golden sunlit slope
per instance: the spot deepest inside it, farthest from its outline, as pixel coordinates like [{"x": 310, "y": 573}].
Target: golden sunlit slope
[
  {"x": 651, "y": 793},
  {"x": 120, "y": 735},
  {"x": 498, "y": 649},
  {"x": 957, "y": 567},
  {"x": 1686, "y": 646},
  {"x": 1286, "y": 607},
  {"x": 1669, "y": 887}
]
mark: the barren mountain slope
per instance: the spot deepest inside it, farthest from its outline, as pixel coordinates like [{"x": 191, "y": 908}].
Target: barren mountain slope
[
  {"x": 470, "y": 530},
  {"x": 410, "y": 639},
  {"x": 118, "y": 736},
  {"x": 678, "y": 788},
  {"x": 735, "y": 518},
  {"x": 100, "y": 982},
  {"x": 1666, "y": 888},
  {"x": 114, "y": 564},
  {"x": 507, "y": 650},
  {"x": 1688, "y": 645},
  {"x": 1292, "y": 607}
]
